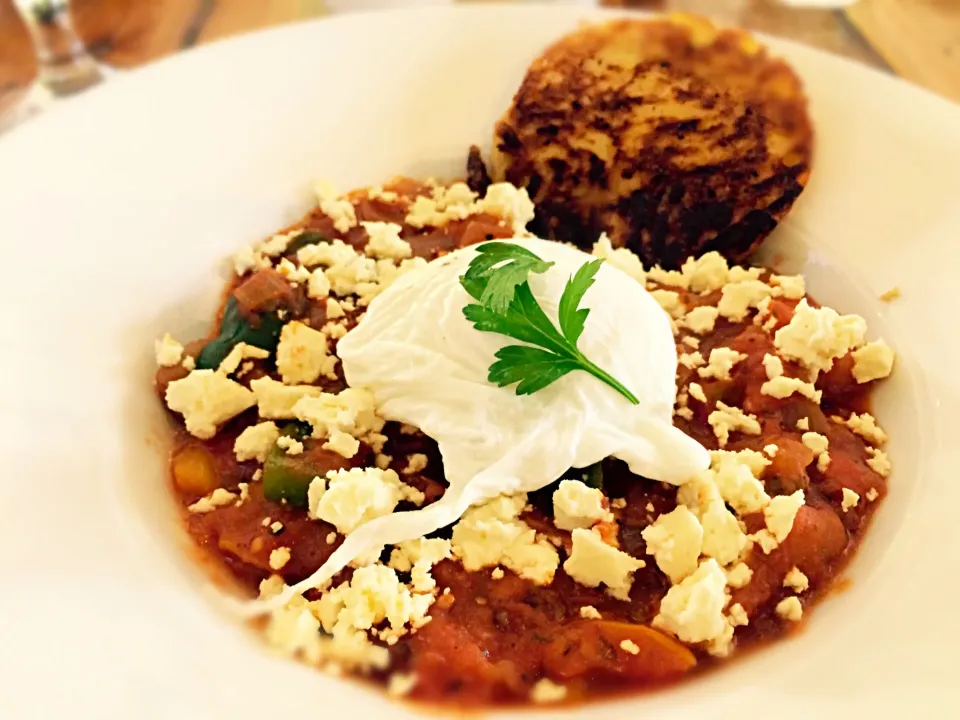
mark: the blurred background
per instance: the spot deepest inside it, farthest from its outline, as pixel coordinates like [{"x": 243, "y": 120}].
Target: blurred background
[{"x": 71, "y": 45}]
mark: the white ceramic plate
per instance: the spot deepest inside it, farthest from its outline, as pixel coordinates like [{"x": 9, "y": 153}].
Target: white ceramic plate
[{"x": 117, "y": 213}]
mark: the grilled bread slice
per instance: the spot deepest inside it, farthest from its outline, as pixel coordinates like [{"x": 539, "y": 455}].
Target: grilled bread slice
[{"x": 672, "y": 137}]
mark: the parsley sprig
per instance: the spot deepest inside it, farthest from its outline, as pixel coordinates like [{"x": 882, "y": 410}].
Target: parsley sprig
[{"x": 497, "y": 280}]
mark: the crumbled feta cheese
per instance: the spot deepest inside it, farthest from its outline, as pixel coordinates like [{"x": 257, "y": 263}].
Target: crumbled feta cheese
[
  {"x": 780, "y": 514},
  {"x": 739, "y": 575},
  {"x": 791, "y": 287},
  {"x": 670, "y": 302},
  {"x": 629, "y": 646},
  {"x": 783, "y": 387},
  {"x": 294, "y": 629},
  {"x": 295, "y": 274},
  {"x": 509, "y": 202},
  {"x": 865, "y": 426},
  {"x": 691, "y": 341},
  {"x": 335, "y": 252},
  {"x": 738, "y": 485},
  {"x": 301, "y": 353},
  {"x": 385, "y": 242},
  {"x": 318, "y": 286},
  {"x": 693, "y": 610},
  {"x": 803, "y": 423},
  {"x": 675, "y": 540},
  {"x": 754, "y": 460},
  {"x": 850, "y": 499},
  {"x": 373, "y": 595},
  {"x": 691, "y": 360},
  {"x": 256, "y": 441},
  {"x": 279, "y": 558},
  {"x": 547, "y": 691},
  {"x": 218, "y": 498},
  {"x": 796, "y": 580},
  {"x": 492, "y": 534},
  {"x": 872, "y": 494},
  {"x": 275, "y": 527},
  {"x": 771, "y": 450},
  {"x": 349, "y": 498},
  {"x": 879, "y": 462},
  {"x": 497, "y": 573},
  {"x": 169, "y": 352},
  {"x": 726, "y": 419},
  {"x": 823, "y": 462},
  {"x": 418, "y": 557},
  {"x": 334, "y": 310},
  {"x": 702, "y": 319},
  {"x": 589, "y": 612},
  {"x": 240, "y": 352},
  {"x": 207, "y": 399},
  {"x": 773, "y": 366},
  {"x": 342, "y": 444},
  {"x": 278, "y": 244},
  {"x": 249, "y": 258},
  {"x": 334, "y": 331},
  {"x": 737, "y": 615},
  {"x": 684, "y": 412},
  {"x": 620, "y": 258},
  {"x": 575, "y": 505},
  {"x": 593, "y": 562},
  {"x": 417, "y": 462},
  {"x": 817, "y": 336},
  {"x": 351, "y": 411},
  {"x": 338, "y": 209},
  {"x": 872, "y": 362},
  {"x": 722, "y": 360},
  {"x": 723, "y": 538},
  {"x": 738, "y": 297},
  {"x": 276, "y": 400},
  {"x": 696, "y": 392},
  {"x": 292, "y": 446},
  {"x": 815, "y": 441},
  {"x": 673, "y": 278},
  {"x": 790, "y": 609},
  {"x": 706, "y": 273}
]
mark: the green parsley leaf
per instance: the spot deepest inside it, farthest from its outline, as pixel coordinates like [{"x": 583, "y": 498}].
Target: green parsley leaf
[
  {"x": 497, "y": 270},
  {"x": 572, "y": 317},
  {"x": 510, "y": 309}
]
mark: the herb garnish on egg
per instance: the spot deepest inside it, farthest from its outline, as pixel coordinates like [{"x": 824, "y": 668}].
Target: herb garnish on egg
[{"x": 497, "y": 279}]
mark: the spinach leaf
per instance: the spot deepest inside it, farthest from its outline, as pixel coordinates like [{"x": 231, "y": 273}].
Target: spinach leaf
[{"x": 235, "y": 328}]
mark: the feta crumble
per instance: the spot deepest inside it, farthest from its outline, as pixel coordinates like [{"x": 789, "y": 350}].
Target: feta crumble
[
  {"x": 693, "y": 609},
  {"x": 168, "y": 351},
  {"x": 301, "y": 353},
  {"x": 256, "y": 441},
  {"x": 218, "y": 498},
  {"x": 592, "y": 562},
  {"x": 796, "y": 580},
  {"x": 872, "y": 362},
  {"x": 790, "y": 609},
  {"x": 206, "y": 399},
  {"x": 815, "y": 337},
  {"x": 575, "y": 505},
  {"x": 675, "y": 540},
  {"x": 726, "y": 419}
]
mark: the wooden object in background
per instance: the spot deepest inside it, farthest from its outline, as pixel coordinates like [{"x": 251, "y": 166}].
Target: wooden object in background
[{"x": 919, "y": 39}]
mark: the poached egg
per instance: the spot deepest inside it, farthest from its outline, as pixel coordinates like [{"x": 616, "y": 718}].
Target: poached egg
[{"x": 426, "y": 365}]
